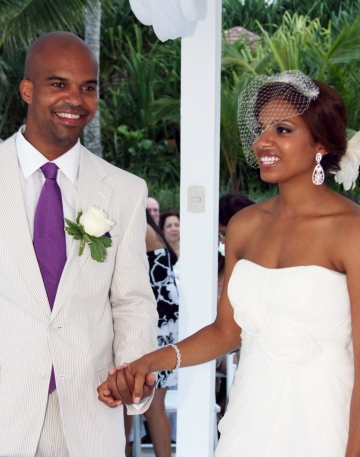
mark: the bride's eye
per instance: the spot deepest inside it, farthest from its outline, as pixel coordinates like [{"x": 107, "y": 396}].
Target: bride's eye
[{"x": 281, "y": 129}]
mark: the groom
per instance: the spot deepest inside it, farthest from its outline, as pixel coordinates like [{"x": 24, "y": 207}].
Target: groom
[{"x": 65, "y": 319}]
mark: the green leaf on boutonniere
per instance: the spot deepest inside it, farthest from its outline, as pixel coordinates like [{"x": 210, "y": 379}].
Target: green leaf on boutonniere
[
  {"x": 87, "y": 238},
  {"x": 106, "y": 241},
  {"x": 76, "y": 231},
  {"x": 80, "y": 213},
  {"x": 98, "y": 251}
]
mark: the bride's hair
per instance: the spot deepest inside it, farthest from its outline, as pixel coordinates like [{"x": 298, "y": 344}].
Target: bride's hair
[{"x": 326, "y": 119}]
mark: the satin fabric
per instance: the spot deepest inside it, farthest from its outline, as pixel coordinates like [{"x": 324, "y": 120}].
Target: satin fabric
[
  {"x": 292, "y": 390},
  {"x": 169, "y": 18}
]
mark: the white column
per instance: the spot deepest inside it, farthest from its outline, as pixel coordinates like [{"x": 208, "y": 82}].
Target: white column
[{"x": 200, "y": 131}]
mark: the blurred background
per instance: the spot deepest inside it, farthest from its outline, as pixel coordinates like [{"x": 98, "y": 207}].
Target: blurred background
[{"x": 139, "y": 118}]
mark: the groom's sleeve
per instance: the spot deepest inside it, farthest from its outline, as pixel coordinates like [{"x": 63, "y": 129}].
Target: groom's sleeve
[{"x": 133, "y": 303}]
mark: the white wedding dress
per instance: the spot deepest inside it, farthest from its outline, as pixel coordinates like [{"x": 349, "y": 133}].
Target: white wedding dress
[{"x": 292, "y": 390}]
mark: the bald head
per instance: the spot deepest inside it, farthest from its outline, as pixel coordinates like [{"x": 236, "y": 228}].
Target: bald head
[
  {"x": 60, "y": 89},
  {"x": 48, "y": 46},
  {"x": 154, "y": 210}
]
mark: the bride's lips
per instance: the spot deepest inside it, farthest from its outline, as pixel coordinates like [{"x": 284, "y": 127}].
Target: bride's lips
[{"x": 268, "y": 160}]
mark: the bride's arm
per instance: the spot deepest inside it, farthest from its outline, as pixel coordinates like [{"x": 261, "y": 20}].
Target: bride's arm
[{"x": 215, "y": 340}]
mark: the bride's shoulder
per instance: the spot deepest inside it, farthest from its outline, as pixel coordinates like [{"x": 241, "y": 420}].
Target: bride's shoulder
[
  {"x": 346, "y": 211},
  {"x": 255, "y": 213},
  {"x": 251, "y": 218},
  {"x": 346, "y": 239},
  {"x": 345, "y": 222}
]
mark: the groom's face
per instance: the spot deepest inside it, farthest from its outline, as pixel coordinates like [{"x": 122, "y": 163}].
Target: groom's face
[{"x": 61, "y": 92}]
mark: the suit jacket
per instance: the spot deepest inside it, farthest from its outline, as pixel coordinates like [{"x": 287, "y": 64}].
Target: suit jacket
[{"x": 104, "y": 314}]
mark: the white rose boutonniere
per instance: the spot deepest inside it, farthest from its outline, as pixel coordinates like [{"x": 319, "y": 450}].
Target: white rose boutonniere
[{"x": 92, "y": 228}]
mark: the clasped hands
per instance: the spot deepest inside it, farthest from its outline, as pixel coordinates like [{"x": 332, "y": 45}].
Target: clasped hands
[{"x": 123, "y": 386}]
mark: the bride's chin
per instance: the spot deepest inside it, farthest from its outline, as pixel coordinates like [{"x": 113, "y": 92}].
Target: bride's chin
[{"x": 269, "y": 179}]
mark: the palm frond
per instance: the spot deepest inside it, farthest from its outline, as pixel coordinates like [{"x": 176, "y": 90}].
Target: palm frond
[{"x": 26, "y": 20}]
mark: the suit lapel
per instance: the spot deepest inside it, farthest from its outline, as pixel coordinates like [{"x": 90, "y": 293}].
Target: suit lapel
[
  {"x": 14, "y": 224},
  {"x": 92, "y": 191}
]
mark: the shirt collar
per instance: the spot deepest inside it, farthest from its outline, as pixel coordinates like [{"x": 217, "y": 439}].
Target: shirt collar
[{"x": 30, "y": 159}]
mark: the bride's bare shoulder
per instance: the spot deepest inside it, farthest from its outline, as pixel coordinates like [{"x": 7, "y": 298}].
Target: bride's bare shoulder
[
  {"x": 246, "y": 222},
  {"x": 255, "y": 213}
]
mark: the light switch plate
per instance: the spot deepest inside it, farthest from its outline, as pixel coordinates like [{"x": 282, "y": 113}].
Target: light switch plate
[{"x": 196, "y": 199}]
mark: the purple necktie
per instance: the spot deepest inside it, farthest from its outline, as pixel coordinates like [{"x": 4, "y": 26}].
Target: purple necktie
[{"x": 49, "y": 237}]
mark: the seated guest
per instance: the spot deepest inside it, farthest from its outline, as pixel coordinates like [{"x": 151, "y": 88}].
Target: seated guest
[
  {"x": 154, "y": 209},
  {"x": 169, "y": 224}
]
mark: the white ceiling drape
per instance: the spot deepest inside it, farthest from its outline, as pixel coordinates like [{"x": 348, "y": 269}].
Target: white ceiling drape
[{"x": 169, "y": 18}]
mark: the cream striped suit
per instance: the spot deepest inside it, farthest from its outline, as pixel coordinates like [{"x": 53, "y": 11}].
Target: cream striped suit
[{"x": 104, "y": 313}]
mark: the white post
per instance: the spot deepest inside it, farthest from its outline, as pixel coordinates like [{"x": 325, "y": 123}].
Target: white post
[{"x": 200, "y": 132}]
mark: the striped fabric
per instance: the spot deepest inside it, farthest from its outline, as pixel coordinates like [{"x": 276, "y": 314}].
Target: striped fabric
[
  {"x": 52, "y": 440},
  {"x": 104, "y": 314}
]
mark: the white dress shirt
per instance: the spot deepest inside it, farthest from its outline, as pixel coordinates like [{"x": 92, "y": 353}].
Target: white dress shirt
[{"x": 32, "y": 179}]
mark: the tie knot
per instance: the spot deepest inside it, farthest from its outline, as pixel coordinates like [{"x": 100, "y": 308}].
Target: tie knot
[{"x": 50, "y": 170}]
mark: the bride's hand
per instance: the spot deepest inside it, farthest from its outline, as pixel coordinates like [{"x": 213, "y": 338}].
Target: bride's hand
[
  {"x": 131, "y": 384},
  {"x": 140, "y": 380}
]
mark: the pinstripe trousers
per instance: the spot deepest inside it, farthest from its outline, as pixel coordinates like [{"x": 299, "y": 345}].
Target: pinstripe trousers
[{"x": 52, "y": 441}]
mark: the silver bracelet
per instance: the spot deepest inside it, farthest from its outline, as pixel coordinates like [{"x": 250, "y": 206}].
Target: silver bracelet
[{"x": 178, "y": 357}]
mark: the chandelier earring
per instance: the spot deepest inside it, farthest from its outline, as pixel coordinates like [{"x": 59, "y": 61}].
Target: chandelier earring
[{"x": 318, "y": 176}]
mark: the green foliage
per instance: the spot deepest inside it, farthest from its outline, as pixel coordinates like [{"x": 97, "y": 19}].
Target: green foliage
[
  {"x": 134, "y": 151},
  {"x": 140, "y": 77},
  {"x": 21, "y": 21},
  {"x": 168, "y": 196},
  {"x": 140, "y": 99},
  {"x": 12, "y": 108},
  {"x": 252, "y": 13}
]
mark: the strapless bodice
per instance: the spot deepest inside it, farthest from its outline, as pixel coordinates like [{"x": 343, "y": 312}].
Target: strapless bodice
[{"x": 294, "y": 315}]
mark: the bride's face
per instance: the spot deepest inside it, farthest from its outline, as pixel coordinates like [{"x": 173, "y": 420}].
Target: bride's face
[{"x": 286, "y": 148}]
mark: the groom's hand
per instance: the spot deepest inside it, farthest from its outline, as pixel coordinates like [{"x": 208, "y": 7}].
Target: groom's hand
[{"x": 106, "y": 397}]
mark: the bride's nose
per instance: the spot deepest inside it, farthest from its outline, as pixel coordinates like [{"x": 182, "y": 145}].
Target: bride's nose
[{"x": 264, "y": 140}]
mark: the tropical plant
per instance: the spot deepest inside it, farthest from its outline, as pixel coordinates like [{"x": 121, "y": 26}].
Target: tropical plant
[
  {"x": 92, "y": 132},
  {"x": 140, "y": 106},
  {"x": 251, "y": 13},
  {"x": 21, "y": 21}
]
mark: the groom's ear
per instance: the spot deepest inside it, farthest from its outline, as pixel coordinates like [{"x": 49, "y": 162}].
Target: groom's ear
[{"x": 26, "y": 90}]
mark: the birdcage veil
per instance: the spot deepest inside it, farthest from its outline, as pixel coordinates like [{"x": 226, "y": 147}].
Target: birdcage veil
[{"x": 271, "y": 92}]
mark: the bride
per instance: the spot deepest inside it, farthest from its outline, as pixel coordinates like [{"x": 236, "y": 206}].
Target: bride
[{"x": 292, "y": 286}]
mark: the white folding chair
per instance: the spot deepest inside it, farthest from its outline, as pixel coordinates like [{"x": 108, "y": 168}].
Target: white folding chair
[{"x": 230, "y": 373}]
